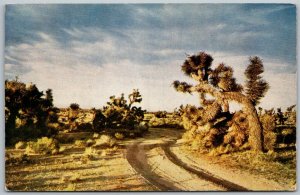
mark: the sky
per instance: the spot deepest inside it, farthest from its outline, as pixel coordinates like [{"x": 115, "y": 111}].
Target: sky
[{"x": 86, "y": 53}]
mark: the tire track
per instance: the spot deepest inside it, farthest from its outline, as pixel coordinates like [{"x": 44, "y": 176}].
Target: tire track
[
  {"x": 137, "y": 159},
  {"x": 200, "y": 172}
]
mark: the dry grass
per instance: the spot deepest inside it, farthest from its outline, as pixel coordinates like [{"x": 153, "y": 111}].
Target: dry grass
[
  {"x": 279, "y": 166},
  {"x": 108, "y": 171}
]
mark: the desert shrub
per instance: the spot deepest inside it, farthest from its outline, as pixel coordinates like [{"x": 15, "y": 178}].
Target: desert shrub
[
  {"x": 157, "y": 122},
  {"x": 80, "y": 143},
  {"x": 62, "y": 149},
  {"x": 119, "y": 136},
  {"x": 96, "y": 135},
  {"x": 20, "y": 145},
  {"x": 43, "y": 145},
  {"x": 119, "y": 113},
  {"x": 28, "y": 112},
  {"x": 90, "y": 153},
  {"x": 84, "y": 127},
  {"x": 17, "y": 159},
  {"x": 160, "y": 114},
  {"x": 89, "y": 142},
  {"x": 286, "y": 135},
  {"x": 165, "y": 122},
  {"x": 268, "y": 122},
  {"x": 74, "y": 106},
  {"x": 105, "y": 141}
]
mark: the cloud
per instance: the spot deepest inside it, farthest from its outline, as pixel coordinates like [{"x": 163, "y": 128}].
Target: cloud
[
  {"x": 248, "y": 29},
  {"x": 95, "y": 64},
  {"x": 86, "y": 53}
]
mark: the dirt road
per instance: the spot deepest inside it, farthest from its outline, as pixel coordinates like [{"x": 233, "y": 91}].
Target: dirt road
[
  {"x": 152, "y": 163},
  {"x": 154, "y": 160}
]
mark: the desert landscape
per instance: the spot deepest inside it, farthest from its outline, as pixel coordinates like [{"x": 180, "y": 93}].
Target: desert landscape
[
  {"x": 134, "y": 103},
  {"x": 121, "y": 147}
]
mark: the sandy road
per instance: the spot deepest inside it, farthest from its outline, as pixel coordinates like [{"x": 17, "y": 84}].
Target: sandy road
[{"x": 157, "y": 164}]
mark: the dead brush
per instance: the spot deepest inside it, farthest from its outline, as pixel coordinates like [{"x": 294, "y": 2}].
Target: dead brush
[{"x": 43, "y": 145}]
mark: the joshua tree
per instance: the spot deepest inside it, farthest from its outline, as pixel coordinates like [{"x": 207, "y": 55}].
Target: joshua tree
[
  {"x": 27, "y": 111},
  {"x": 221, "y": 85},
  {"x": 119, "y": 113},
  {"x": 73, "y": 115},
  {"x": 280, "y": 116}
]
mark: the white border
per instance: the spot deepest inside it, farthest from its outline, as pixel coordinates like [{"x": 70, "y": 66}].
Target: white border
[{"x": 2, "y": 119}]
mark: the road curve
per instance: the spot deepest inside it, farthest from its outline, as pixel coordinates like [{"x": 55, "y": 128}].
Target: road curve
[
  {"x": 136, "y": 156},
  {"x": 200, "y": 172},
  {"x": 137, "y": 159}
]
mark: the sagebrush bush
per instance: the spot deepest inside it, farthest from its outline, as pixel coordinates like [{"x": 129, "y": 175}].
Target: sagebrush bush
[
  {"x": 105, "y": 141},
  {"x": 43, "y": 145}
]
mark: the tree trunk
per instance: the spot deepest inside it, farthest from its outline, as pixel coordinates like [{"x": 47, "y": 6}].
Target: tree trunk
[
  {"x": 255, "y": 129},
  {"x": 223, "y": 98}
]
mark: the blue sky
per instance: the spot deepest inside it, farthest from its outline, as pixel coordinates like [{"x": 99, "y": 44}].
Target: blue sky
[{"x": 86, "y": 53}]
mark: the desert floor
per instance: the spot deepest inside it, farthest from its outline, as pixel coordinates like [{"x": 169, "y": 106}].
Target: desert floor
[{"x": 158, "y": 161}]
